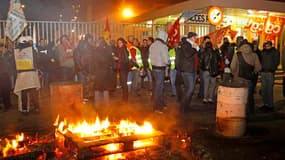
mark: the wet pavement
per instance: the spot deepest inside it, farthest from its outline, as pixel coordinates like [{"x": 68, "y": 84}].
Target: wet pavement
[{"x": 264, "y": 138}]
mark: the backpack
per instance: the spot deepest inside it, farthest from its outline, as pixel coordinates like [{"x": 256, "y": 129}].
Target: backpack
[{"x": 245, "y": 69}]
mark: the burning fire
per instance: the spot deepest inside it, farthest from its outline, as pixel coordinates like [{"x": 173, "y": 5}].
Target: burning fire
[
  {"x": 13, "y": 145},
  {"x": 91, "y": 132},
  {"x": 103, "y": 128}
]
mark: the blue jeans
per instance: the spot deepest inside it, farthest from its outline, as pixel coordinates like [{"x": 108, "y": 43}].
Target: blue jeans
[
  {"x": 134, "y": 81},
  {"x": 172, "y": 81},
  {"x": 189, "y": 83},
  {"x": 157, "y": 92},
  {"x": 209, "y": 85},
  {"x": 267, "y": 82}
]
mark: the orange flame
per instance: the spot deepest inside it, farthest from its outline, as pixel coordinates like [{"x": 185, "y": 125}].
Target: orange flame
[
  {"x": 103, "y": 128},
  {"x": 12, "y": 145}
]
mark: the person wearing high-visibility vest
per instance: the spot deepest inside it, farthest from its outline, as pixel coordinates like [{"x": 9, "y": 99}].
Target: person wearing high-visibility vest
[
  {"x": 172, "y": 53},
  {"x": 146, "y": 61},
  {"x": 134, "y": 74}
]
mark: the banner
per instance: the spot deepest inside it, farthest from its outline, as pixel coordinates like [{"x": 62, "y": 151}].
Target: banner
[
  {"x": 271, "y": 26},
  {"x": 174, "y": 33},
  {"x": 24, "y": 59},
  {"x": 16, "y": 20},
  {"x": 274, "y": 25},
  {"x": 189, "y": 14},
  {"x": 256, "y": 25}
]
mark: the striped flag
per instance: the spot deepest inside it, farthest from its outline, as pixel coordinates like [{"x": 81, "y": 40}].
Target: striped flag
[
  {"x": 107, "y": 30},
  {"x": 16, "y": 20}
]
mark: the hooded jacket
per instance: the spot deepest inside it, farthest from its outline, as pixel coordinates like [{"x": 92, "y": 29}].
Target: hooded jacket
[
  {"x": 158, "y": 51},
  {"x": 249, "y": 56}
]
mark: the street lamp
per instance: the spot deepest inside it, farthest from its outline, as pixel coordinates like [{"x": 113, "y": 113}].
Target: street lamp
[{"x": 127, "y": 13}]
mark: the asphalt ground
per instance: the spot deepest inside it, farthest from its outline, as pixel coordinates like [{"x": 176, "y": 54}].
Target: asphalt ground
[{"x": 264, "y": 138}]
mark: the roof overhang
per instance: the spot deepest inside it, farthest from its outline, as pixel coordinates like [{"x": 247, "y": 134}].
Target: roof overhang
[{"x": 200, "y": 4}]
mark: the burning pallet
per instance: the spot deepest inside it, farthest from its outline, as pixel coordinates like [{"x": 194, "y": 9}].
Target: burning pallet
[
  {"x": 106, "y": 138},
  {"x": 23, "y": 147},
  {"x": 93, "y": 147}
]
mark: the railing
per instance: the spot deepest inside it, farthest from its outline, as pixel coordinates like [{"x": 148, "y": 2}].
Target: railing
[{"x": 52, "y": 30}]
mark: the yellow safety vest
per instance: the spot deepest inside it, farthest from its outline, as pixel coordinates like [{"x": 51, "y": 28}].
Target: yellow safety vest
[{"x": 138, "y": 57}]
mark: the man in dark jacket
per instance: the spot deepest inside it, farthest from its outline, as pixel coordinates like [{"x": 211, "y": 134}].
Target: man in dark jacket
[
  {"x": 270, "y": 59},
  {"x": 188, "y": 68},
  {"x": 5, "y": 83}
]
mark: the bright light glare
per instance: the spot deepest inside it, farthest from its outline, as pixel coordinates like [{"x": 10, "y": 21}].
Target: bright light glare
[{"x": 127, "y": 13}]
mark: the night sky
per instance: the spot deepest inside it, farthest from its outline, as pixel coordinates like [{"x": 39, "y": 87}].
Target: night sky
[
  {"x": 41, "y": 9},
  {"x": 51, "y": 9}
]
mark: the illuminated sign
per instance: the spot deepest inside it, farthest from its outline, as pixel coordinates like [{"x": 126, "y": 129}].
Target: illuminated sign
[
  {"x": 198, "y": 18},
  {"x": 215, "y": 15}
]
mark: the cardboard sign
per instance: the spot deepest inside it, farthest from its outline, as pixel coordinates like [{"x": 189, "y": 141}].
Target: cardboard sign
[{"x": 24, "y": 59}]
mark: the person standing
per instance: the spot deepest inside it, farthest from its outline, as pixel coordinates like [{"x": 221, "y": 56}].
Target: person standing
[
  {"x": 145, "y": 60},
  {"x": 202, "y": 49},
  {"x": 188, "y": 68},
  {"x": 134, "y": 74},
  {"x": 5, "y": 82},
  {"x": 172, "y": 54},
  {"x": 258, "y": 53},
  {"x": 122, "y": 58},
  {"x": 210, "y": 70},
  {"x": 64, "y": 52},
  {"x": 270, "y": 59},
  {"x": 158, "y": 53},
  {"x": 27, "y": 83},
  {"x": 83, "y": 59},
  {"x": 244, "y": 65},
  {"x": 102, "y": 70}
]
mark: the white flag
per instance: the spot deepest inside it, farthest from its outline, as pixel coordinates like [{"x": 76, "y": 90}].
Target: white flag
[
  {"x": 16, "y": 20},
  {"x": 189, "y": 13}
]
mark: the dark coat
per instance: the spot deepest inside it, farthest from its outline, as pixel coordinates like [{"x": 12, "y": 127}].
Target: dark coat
[
  {"x": 103, "y": 71},
  {"x": 209, "y": 61},
  {"x": 187, "y": 62},
  {"x": 270, "y": 59},
  {"x": 123, "y": 62},
  {"x": 145, "y": 56}
]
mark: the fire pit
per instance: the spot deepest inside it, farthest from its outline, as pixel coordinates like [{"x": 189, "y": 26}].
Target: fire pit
[
  {"x": 100, "y": 138},
  {"x": 24, "y": 147}
]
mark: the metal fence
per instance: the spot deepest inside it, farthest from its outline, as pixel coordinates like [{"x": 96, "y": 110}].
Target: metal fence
[{"x": 52, "y": 30}]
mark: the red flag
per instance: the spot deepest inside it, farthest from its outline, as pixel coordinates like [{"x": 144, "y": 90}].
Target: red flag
[
  {"x": 106, "y": 33},
  {"x": 174, "y": 33},
  {"x": 233, "y": 33}
]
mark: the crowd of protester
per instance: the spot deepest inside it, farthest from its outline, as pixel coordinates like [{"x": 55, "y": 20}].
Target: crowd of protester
[{"x": 102, "y": 67}]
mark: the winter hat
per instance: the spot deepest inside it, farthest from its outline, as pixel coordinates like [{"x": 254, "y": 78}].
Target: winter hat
[{"x": 162, "y": 35}]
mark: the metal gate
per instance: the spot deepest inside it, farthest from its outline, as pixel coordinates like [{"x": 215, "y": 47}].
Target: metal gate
[{"x": 52, "y": 30}]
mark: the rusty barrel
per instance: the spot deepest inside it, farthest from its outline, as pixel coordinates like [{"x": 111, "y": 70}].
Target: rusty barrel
[
  {"x": 66, "y": 98},
  {"x": 231, "y": 110}
]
